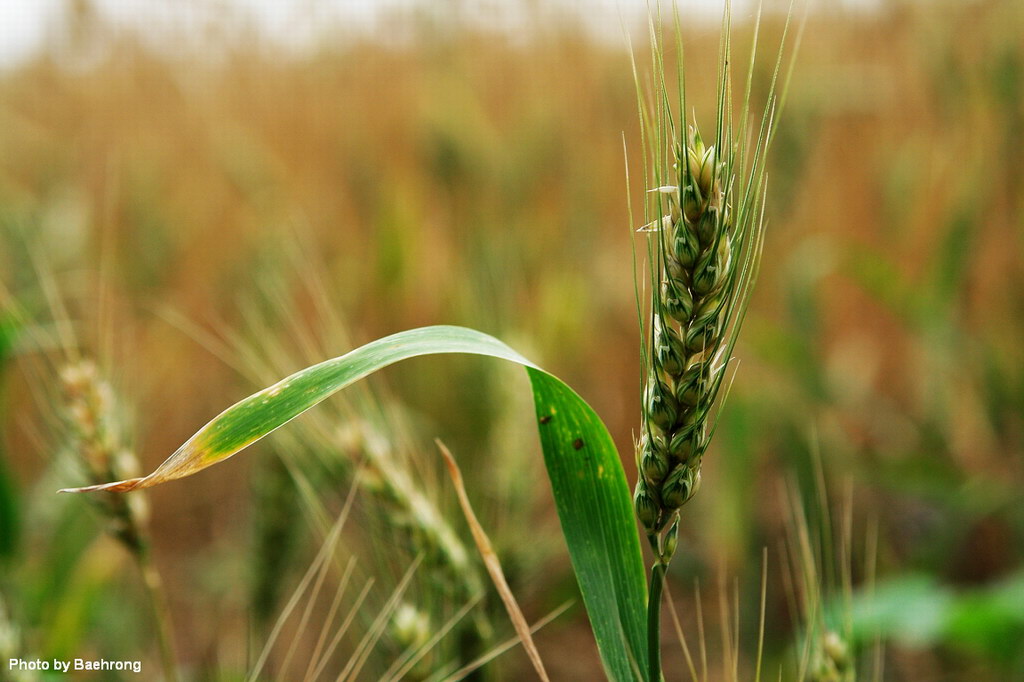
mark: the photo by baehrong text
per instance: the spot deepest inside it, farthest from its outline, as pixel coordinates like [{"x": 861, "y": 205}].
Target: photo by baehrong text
[{"x": 77, "y": 664}]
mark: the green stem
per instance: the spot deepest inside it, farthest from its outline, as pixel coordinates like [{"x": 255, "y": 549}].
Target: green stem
[
  {"x": 654, "y": 621},
  {"x": 161, "y": 612},
  {"x": 132, "y": 532}
]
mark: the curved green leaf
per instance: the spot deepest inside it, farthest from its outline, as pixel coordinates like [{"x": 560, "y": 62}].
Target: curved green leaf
[{"x": 587, "y": 479}]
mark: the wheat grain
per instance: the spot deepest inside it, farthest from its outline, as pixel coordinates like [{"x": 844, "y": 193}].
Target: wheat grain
[{"x": 699, "y": 292}]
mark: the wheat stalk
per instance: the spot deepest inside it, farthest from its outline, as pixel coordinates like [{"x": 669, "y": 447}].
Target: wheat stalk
[
  {"x": 91, "y": 411},
  {"x": 704, "y": 250}
]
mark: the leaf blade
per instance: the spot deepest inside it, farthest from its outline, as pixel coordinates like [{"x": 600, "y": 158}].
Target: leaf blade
[
  {"x": 576, "y": 444},
  {"x": 587, "y": 479}
]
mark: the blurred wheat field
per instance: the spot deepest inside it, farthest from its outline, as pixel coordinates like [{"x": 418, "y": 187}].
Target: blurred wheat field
[{"x": 204, "y": 226}]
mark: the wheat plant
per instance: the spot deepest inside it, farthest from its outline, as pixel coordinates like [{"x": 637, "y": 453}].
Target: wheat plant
[
  {"x": 707, "y": 232},
  {"x": 92, "y": 414}
]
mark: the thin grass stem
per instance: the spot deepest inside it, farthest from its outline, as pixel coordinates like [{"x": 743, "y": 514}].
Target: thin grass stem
[
  {"x": 161, "y": 611},
  {"x": 654, "y": 621},
  {"x": 679, "y": 633}
]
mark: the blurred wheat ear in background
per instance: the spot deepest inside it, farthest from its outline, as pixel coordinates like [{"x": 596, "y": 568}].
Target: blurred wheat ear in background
[{"x": 93, "y": 414}]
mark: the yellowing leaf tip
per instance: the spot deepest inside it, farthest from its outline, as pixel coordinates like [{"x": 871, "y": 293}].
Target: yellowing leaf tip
[{"x": 115, "y": 487}]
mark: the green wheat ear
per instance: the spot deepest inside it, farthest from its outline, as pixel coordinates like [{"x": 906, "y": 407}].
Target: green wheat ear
[
  {"x": 705, "y": 227},
  {"x": 706, "y": 231}
]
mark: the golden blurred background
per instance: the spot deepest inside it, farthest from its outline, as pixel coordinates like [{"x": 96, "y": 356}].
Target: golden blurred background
[{"x": 204, "y": 213}]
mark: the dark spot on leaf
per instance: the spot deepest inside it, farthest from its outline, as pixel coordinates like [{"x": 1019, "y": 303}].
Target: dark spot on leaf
[
  {"x": 545, "y": 419},
  {"x": 578, "y": 443}
]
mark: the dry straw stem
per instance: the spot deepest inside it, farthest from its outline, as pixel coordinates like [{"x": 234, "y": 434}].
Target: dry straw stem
[
  {"x": 819, "y": 572},
  {"x": 493, "y": 565}
]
